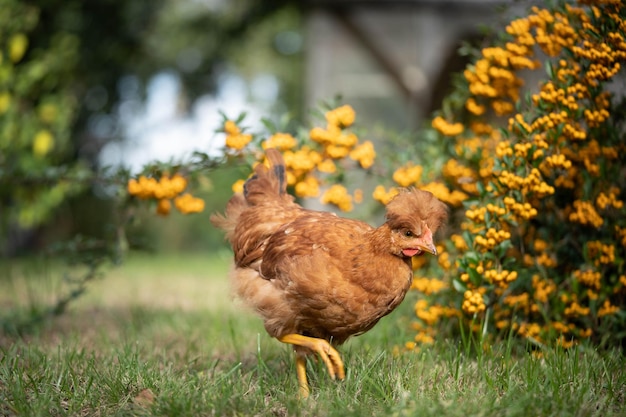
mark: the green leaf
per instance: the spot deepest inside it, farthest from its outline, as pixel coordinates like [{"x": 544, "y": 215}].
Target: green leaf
[{"x": 269, "y": 125}]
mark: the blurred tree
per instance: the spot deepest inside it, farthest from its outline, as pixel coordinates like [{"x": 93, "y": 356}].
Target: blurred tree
[
  {"x": 36, "y": 117},
  {"x": 62, "y": 69}
]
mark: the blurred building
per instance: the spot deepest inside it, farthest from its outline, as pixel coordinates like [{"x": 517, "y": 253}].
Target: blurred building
[{"x": 391, "y": 59}]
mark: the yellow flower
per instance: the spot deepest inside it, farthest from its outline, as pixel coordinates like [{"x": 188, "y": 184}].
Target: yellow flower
[
  {"x": 459, "y": 242},
  {"x": 492, "y": 238},
  {"x": 542, "y": 288},
  {"x": 407, "y": 175},
  {"x": 341, "y": 117},
  {"x": 238, "y": 186},
  {"x": 465, "y": 177},
  {"x": 43, "y": 143},
  {"x": 18, "y": 44},
  {"x": 430, "y": 314},
  {"x": 501, "y": 107},
  {"x": 607, "y": 309},
  {"x": 560, "y": 327},
  {"x": 309, "y": 187},
  {"x": 428, "y": 286},
  {"x": 281, "y": 141},
  {"x": 168, "y": 188},
  {"x": 419, "y": 262},
  {"x": 444, "y": 258},
  {"x": 576, "y": 310},
  {"x": 231, "y": 128},
  {"x": 346, "y": 139},
  {"x": 480, "y": 128},
  {"x": 584, "y": 213},
  {"x": 558, "y": 161},
  {"x": 238, "y": 141},
  {"x": 410, "y": 345},
  {"x": 473, "y": 107},
  {"x": 501, "y": 278},
  {"x": 364, "y": 154},
  {"x": 565, "y": 343},
  {"x": 588, "y": 278},
  {"x": 383, "y": 196},
  {"x": 339, "y": 196},
  {"x": 521, "y": 210},
  {"x": 473, "y": 302},
  {"x": 442, "y": 192},
  {"x": 187, "y": 204},
  {"x": 529, "y": 330},
  {"x": 5, "y": 101},
  {"x": 517, "y": 301},
  {"x": 445, "y": 128},
  {"x": 143, "y": 188},
  {"x": 163, "y": 207},
  {"x": 337, "y": 152},
  {"x": 602, "y": 254},
  {"x": 303, "y": 160},
  {"x": 323, "y": 136},
  {"x": 603, "y": 200},
  {"x": 327, "y": 166},
  {"x": 133, "y": 187},
  {"x": 424, "y": 338}
]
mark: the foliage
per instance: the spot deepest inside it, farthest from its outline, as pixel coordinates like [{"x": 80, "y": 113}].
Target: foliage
[
  {"x": 64, "y": 94},
  {"x": 39, "y": 107},
  {"x": 312, "y": 158},
  {"x": 542, "y": 237},
  {"x": 36, "y": 117},
  {"x": 64, "y": 89},
  {"x": 536, "y": 178}
]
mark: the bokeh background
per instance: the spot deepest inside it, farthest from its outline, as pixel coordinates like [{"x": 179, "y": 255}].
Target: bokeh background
[
  {"x": 107, "y": 307},
  {"x": 135, "y": 81}
]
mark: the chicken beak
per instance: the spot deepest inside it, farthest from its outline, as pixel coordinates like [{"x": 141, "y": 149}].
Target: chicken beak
[
  {"x": 428, "y": 247},
  {"x": 427, "y": 244}
]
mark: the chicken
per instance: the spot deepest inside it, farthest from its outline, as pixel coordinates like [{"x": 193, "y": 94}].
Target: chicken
[{"x": 316, "y": 278}]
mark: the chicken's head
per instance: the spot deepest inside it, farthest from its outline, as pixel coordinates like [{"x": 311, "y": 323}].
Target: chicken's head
[{"x": 413, "y": 217}]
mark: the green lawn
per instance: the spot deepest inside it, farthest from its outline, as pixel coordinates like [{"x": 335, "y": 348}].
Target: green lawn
[{"x": 162, "y": 336}]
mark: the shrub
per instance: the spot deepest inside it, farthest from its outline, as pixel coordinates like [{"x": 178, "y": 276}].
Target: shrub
[
  {"x": 536, "y": 179},
  {"x": 37, "y": 110},
  {"x": 542, "y": 240}
]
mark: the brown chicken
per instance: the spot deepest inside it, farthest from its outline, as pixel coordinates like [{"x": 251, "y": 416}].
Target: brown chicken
[{"x": 315, "y": 278}]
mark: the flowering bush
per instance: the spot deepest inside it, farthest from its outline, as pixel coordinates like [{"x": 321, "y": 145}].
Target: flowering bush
[
  {"x": 163, "y": 191},
  {"x": 541, "y": 245},
  {"x": 321, "y": 156},
  {"x": 537, "y": 180},
  {"x": 37, "y": 110}
]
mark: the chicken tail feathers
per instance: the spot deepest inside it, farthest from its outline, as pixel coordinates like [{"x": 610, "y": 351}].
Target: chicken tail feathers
[
  {"x": 267, "y": 182},
  {"x": 228, "y": 221}
]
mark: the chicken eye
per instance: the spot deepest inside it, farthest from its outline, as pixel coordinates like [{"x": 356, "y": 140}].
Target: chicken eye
[{"x": 408, "y": 233}]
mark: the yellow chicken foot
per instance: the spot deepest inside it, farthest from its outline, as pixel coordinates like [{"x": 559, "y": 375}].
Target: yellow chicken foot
[
  {"x": 304, "y": 389},
  {"x": 329, "y": 355}
]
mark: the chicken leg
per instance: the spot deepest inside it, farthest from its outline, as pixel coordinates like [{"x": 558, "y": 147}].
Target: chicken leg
[{"x": 329, "y": 355}]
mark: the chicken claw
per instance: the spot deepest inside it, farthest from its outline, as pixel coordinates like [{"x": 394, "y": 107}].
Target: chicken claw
[
  {"x": 327, "y": 353},
  {"x": 304, "y": 389}
]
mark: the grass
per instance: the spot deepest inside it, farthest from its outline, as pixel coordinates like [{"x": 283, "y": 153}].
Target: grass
[{"x": 161, "y": 336}]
